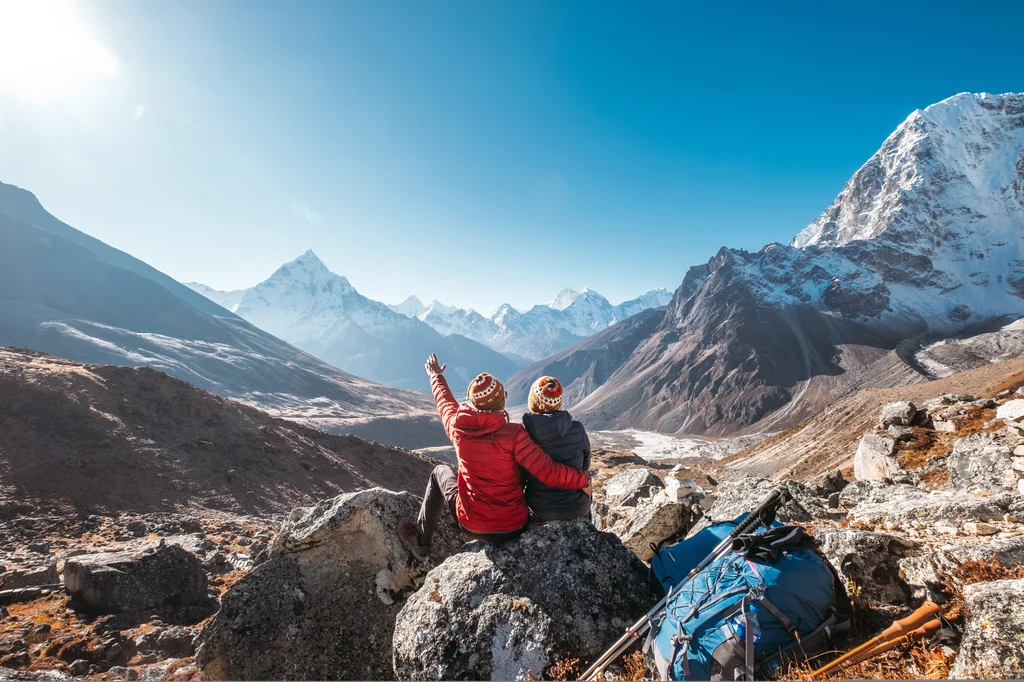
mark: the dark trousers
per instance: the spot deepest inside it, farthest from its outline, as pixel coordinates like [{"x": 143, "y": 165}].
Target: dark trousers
[
  {"x": 544, "y": 516},
  {"x": 442, "y": 491}
]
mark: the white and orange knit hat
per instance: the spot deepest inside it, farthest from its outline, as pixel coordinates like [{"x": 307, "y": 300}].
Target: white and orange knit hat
[
  {"x": 545, "y": 395},
  {"x": 486, "y": 393}
]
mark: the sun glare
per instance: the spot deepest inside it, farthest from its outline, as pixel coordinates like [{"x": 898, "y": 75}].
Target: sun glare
[{"x": 47, "y": 51}]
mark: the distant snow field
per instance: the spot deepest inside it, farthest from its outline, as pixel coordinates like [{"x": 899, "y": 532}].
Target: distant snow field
[{"x": 651, "y": 445}]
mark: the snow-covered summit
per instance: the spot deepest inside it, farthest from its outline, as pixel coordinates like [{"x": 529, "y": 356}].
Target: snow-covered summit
[
  {"x": 410, "y": 307},
  {"x": 950, "y": 171}
]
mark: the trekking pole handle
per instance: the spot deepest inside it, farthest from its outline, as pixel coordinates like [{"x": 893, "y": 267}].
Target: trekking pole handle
[{"x": 776, "y": 498}]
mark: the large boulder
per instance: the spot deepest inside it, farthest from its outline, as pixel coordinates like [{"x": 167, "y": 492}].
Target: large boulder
[
  {"x": 654, "y": 521},
  {"x": 561, "y": 590},
  {"x": 827, "y": 483},
  {"x": 322, "y": 604},
  {"x": 629, "y": 487},
  {"x": 873, "y": 460},
  {"x": 992, "y": 646},
  {"x": 1012, "y": 410},
  {"x": 36, "y": 576},
  {"x": 132, "y": 579},
  {"x": 897, "y": 414},
  {"x": 905, "y": 505},
  {"x": 982, "y": 463},
  {"x": 868, "y": 562},
  {"x": 732, "y": 498}
]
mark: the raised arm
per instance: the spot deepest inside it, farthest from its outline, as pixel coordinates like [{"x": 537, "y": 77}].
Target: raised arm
[
  {"x": 447, "y": 405},
  {"x": 549, "y": 472}
]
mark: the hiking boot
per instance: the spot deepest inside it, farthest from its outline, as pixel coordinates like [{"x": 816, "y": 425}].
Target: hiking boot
[{"x": 410, "y": 536}]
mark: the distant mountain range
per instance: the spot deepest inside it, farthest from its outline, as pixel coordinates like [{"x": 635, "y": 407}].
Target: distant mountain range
[
  {"x": 541, "y": 331},
  {"x": 923, "y": 243},
  {"x": 68, "y": 294},
  {"x": 320, "y": 312}
]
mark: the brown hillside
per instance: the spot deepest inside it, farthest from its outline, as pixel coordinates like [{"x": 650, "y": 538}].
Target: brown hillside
[{"x": 99, "y": 438}]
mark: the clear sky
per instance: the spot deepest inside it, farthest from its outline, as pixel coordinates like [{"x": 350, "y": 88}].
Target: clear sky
[{"x": 475, "y": 152}]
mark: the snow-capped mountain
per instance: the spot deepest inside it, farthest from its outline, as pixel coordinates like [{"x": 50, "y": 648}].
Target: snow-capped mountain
[
  {"x": 306, "y": 304},
  {"x": 924, "y": 241},
  {"x": 68, "y": 294},
  {"x": 410, "y": 307},
  {"x": 541, "y": 331}
]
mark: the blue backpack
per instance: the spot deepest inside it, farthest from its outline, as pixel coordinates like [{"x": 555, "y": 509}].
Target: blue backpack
[{"x": 747, "y": 611}]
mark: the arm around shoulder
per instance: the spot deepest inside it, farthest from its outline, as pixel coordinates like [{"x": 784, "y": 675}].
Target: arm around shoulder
[{"x": 549, "y": 472}]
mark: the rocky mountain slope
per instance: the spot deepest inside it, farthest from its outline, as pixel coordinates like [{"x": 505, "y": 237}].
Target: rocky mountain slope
[
  {"x": 923, "y": 242},
  {"x": 63, "y": 292},
  {"x": 105, "y": 439},
  {"x": 542, "y": 330},
  {"x": 320, "y": 312}
]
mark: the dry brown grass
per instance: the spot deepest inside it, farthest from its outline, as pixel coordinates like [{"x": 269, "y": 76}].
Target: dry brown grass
[
  {"x": 634, "y": 666},
  {"x": 914, "y": 454},
  {"x": 565, "y": 669},
  {"x": 975, "y": 571},
  {"x": 911, "y": 662}
]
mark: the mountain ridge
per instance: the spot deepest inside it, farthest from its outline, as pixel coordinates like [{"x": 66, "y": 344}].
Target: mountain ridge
[{"x": 924, "y": 239}]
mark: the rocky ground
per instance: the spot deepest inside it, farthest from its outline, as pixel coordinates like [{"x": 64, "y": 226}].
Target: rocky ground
[{"x": 929, "y": 506}]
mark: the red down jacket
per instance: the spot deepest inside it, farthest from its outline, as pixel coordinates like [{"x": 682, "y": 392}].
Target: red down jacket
[{"x": 490, "y": 451}]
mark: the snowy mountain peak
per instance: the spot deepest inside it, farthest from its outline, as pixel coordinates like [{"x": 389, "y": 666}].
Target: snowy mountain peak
[
  {"x": 957, "y": 162},
  {"x": 410, "y": 307},
  {"x": 564, "y": 298},
  {"x": 442, "y": 308}
]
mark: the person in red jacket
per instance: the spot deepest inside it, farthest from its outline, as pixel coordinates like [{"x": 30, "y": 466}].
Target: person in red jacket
[{"x": 486, "y": 496}]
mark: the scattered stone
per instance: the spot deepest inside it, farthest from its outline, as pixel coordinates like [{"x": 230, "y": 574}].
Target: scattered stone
[
  {"x": 509, "y": 611},
  {"x": 981, "y": 464},
  {"x": 833, "y": 501},
  {"x": 30, "y": 577},
  {"x": 827, "y": 483},
  {"x": 944, "y": 426},
  {"x": 323, "y": 603},
  {"x": 873, "y": 460},
  {"x": 900, "y": 413},
  {"x": 79, "y": 667},
  {"x": 979, "y": 528},
  {"x": 176, "y": 642},
  {"x": 992, "y": 647},
  {"x": 1012, "y": 410},
  {"x": 869, "y": 562},
  {"x": 900, "y": 433},
  {"x": 951, "y": 398},
  {"x": 627, "y": 488},
  {"x": 41, "y": 547},
  {"x": 130, "y": 580},
  {"x": 120, "y": 672}
]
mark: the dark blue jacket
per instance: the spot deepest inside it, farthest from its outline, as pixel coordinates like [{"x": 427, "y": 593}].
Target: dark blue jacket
[{"x": 565, "y": 440}]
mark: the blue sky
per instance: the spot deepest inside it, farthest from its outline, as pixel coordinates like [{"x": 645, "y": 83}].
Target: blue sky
[{"x": 479, "y": 152}]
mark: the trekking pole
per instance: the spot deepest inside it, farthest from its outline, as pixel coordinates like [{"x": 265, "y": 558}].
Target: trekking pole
[
  {"x": 898, "y": 629},
  {"x": 763, "y": 514},
  {"x": 929, "y": 628}
]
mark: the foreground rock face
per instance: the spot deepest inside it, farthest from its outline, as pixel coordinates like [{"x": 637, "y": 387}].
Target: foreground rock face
[
  {"x": 501, "y": 612},
  {"x": 323, "y": 603},
  {"x": 869, "y": 562},
  {"x": 992, "y": 647},
  {"x": 130, "y": 580}
]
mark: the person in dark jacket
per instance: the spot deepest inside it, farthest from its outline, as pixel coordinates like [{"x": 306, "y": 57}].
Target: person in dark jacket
[{"x": 565, "y": 440}]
